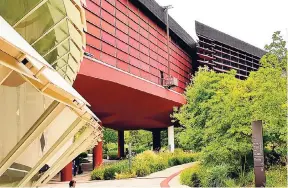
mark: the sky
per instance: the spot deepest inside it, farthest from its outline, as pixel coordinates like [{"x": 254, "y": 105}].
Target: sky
[{"x": 252, "y": 21}]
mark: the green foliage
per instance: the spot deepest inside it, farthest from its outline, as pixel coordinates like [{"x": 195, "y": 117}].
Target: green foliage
[
  {"x": 125, "y": 175},
  {"x": 139, "y": 138},
  {"x": 143, "y": 164},
  {"x": 108, "y": 172},
  {"x": 277, "y": 53},
  {"x": 277, "y": 177},
  {"x": 113, "y": 155},
  {"x": 191, "y": 176},
  {"x": 220, "y": 108},
  {"x": 98, "y": 173}
]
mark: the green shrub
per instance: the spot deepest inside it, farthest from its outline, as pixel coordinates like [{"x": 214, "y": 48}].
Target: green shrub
[
  {"x": 190, "y": 176},
  {"x": 113, "y": 155},
  {"x": 125, "y": 175},
  {"x": 214, "y": 176},
  {"x": 98, "y": 174},
  {"x": 276, "y": 176},
  {"x": 108, "y": 172}
]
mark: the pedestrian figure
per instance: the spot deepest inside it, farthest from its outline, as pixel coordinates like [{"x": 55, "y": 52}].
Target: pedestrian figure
[
  {"x": 74, "y": 168},
  {"x": 72, "y": 183}
]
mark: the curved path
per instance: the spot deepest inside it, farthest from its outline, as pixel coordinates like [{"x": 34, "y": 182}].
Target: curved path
[{"x": 166, "y": 178}]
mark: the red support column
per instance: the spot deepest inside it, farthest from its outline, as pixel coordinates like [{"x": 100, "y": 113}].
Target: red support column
[
  {"x": 66, "y": 172},
  {"x": 98, "y": 155},
  {"x": 120, "y": 143}
]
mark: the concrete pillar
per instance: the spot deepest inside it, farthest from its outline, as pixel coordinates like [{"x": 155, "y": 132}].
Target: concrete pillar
[
  {"x": 66, "y": 172},
  {"x": 156, "y": 139},
  {"x": 121, "y": 143},
  {"x": 98, "y": 155},
  {"x": 171, "y": 138}
]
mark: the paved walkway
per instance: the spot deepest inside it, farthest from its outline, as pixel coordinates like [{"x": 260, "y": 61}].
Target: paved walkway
[{"x": 152, "y": 181}]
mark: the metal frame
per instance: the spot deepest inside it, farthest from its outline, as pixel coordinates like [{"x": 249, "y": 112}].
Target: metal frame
[
  {"x": 62, "y": 158},
  {"x": 71, "y": 131},
  {"x": 4, "y": 73},
  {"x": 38, "y": 127},
  {"x": 85, "y": 145},
  {"x": 30, "y": 12}
]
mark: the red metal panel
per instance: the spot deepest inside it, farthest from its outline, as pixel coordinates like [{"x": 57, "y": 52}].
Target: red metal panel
[
  {"x": 122, "y": 17},
  {"x": 93, "y": 30},
  {"x": 153, "y": 39},
  {"x": 95, "y": 52},
  {"x": 134, "y": 43},
  {"x": 133, "y": 16},
  {"x": 108, "y": 17},
  {"x": 92, "y": 41},
  {"x": 108, "y": 59},
  {"x": 124, "y": 2},
  {"x": 108, "y": 28},
  {"x": 144, "y": 58},
  {"x": 135, "y": 62},
  {"x": 143, "y": 24},
  {"x": 121, "y": 36},
  {"x": 133, "y": 52},
  {"x": 153, "y": 55},
  {"x": 152, "y": 47},
  {"x": 162, "y": 60},
  {"x": 122, "y": 46},
  {"x": 144, "y": 33},
  {"x": 108, "y": 49},
  {"x": 154, "y": 71},
  {"x": 95, "y": 1},
  {"x": 108, "y": 7},
  {"x": 134, "y": 34},
  {"x": 108, "y": 38},
  {"x": 93, "y": 7},
  {"x": 122, "y": 56},
  {"x": 111, "y": 2},
  {"x": 145, "y": 67},
  {"x": 133, "y": 25},
  {"x": 92, "y": 18},
  {"x": 121, "y": 26},
  {"x": 144, "y": 50},
  {"x": 134, "y": 8},
  {"x": 152, "y": 31},
  {"x": 145, "y": 75},
  {"x": 122, "y": 65},
  {"x": 144, "y": 41},
  {"x": 162, "y": 53},
  {"x": 153, "y": 63},
  {"x": 135, "y": 71},
  {"x": 122, "y": 7},
  {"x": 154, "y": 79}
]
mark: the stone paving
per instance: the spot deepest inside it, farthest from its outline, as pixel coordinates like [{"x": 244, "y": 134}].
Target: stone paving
[{"x": 151, "y": 181}]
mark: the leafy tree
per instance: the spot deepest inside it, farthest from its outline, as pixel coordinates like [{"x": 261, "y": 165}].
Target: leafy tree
[
  {"x": 110, "y": 135},
  {"x": 138, "y": 138},
  {"x": 220, "y": 109}
]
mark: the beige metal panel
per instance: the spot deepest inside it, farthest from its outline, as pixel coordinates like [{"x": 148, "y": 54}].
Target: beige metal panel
[
  {"x": 83, "y": 147},
  {"x": 64, "y": 155},
  {"x": 12, "y": 37},
  {"x": 71, "y": 131},
  {"x": 53, "y": 131},
  {"x": 54, "y": 109},
  {"x": 4, "y": 73},
  {"x": 13, "y": 64}
]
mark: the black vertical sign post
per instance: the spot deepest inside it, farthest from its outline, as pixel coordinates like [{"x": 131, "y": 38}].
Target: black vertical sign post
[{"x": 258, "y": 153}]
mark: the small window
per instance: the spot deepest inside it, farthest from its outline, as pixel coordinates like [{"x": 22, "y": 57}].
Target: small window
[{"x": 161, "y": 78}]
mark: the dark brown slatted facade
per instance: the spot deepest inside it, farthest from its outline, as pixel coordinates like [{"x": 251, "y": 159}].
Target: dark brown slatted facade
[{"x": 214, "y": 52}]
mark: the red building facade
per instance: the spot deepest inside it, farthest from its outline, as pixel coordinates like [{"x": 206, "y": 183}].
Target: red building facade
[{"x": 121, "y": 35}]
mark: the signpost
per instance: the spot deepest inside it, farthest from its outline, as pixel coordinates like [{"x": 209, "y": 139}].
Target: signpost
[
  {"x": 130, "y": 153},
  {"x": 258, "y": 153}
]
